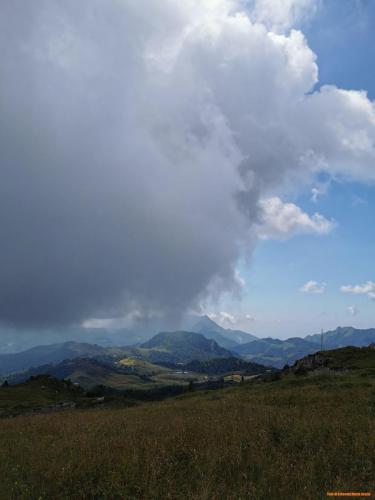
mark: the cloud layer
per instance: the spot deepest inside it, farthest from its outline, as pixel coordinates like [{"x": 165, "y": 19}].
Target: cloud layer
[{"x": 138, "y": 139}]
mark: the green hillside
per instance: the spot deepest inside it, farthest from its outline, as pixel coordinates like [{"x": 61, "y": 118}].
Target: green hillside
[
  {"x": 141, "y": 367},
  {"x": 38, "y": 392},
  {"x": 89, "y": 373}
]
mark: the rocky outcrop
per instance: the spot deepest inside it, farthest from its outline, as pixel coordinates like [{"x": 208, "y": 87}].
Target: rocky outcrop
[{"x": 319, "y": 361}]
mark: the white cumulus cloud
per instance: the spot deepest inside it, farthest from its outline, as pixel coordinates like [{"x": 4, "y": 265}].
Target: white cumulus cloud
[
  {"x": 281, "y": 220},
  {"x": 280, "y": 15},
  {"x": 313, "y": 287},
  {"x": 367, "y": 288}
]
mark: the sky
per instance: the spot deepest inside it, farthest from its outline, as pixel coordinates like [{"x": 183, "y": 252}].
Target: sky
[{"x": 161, "y": 158}]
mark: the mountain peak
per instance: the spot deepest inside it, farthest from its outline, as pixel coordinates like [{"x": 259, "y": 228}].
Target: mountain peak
[
  {"x": 206, "y": 323},
  {"x": 184, "y": 345}
]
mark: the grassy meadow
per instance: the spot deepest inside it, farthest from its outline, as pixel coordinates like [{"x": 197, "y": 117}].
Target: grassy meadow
[{"x": 291, "y": 439}]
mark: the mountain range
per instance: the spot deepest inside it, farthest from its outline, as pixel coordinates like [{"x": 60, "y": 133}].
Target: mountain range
[
  {"x": 277, "y": 353},
  {"x": 172, "y": 347},
  {"x": 207, "y": 341}
]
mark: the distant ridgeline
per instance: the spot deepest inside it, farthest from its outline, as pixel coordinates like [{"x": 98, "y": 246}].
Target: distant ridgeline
[{"x": 277, "y": 353}]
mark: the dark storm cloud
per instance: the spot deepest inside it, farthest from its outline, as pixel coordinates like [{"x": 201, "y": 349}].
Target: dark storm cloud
[{"x": 94, "y": 216}]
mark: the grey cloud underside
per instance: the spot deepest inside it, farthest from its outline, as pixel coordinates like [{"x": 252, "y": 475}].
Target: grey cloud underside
[{"x": 135, "y": 145}]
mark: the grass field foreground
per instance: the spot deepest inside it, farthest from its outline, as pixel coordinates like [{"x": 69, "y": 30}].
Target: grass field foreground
[{"x": 291, "y": 439}]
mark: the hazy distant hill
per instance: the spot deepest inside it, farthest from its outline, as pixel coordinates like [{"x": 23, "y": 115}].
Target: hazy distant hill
[
  {"x": 182, "y": 347},
  {"x": 46, "y": 354},
  {"x": 344, "y": 336},
  {"x": 276, "y": 352},
  {"x": 14, "y": 341}
]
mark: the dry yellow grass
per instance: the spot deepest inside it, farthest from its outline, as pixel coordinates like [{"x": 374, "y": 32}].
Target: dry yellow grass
[{"x": 278, "y": 440}]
